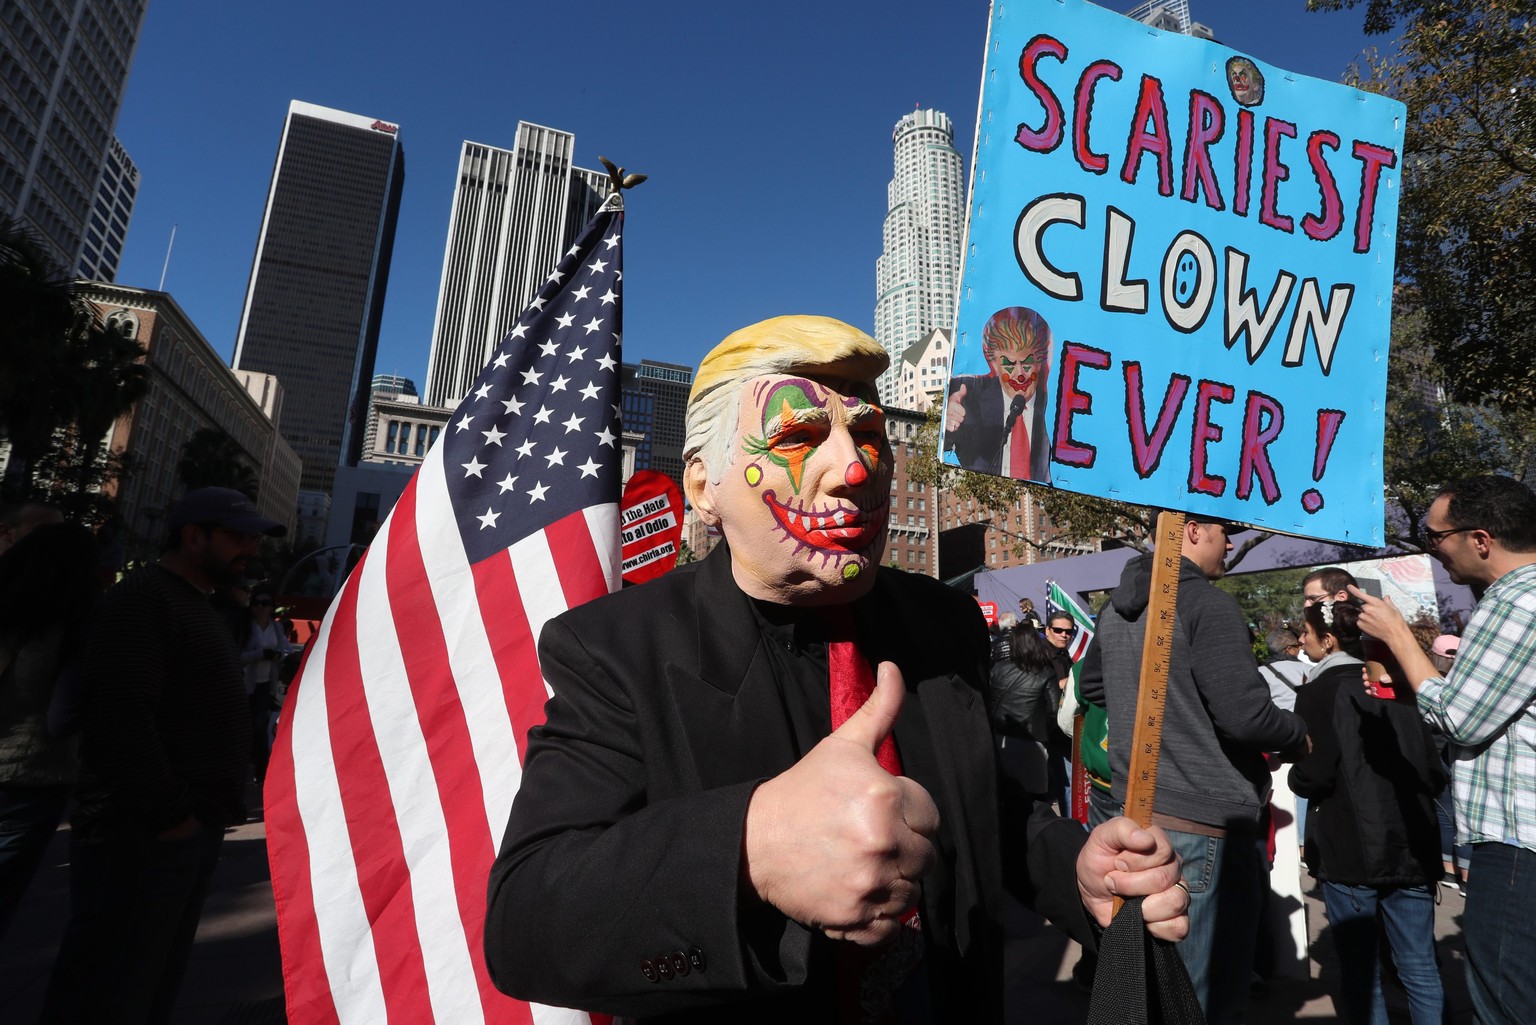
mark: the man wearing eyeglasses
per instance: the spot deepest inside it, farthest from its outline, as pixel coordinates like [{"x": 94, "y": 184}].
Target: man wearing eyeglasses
[
  {"x": 1327, "y": 584},
  {"x": 1483, "y": 531},
  {"x": 163, "y": 748}
]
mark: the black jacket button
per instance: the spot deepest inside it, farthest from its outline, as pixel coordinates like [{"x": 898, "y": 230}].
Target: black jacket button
[
  {"x": 696, "y": 958},
  {"x": 679, "y": 963},
  {"x": 649, "y": 971},
  {"x": 664, "y": 966}
]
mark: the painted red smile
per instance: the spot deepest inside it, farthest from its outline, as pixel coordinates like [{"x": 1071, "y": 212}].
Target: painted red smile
[{"x": 845, "y": 528}]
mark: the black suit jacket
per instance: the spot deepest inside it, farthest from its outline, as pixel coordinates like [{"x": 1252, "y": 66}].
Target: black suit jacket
[
  {"x": 978, "y": 442},
  {"x": 623, "y": 850}
]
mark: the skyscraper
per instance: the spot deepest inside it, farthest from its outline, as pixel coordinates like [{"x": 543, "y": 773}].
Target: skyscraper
[
  {"x": 917, "y": 276},
  {"x": 62, "y": 71},
  {"x": 316, "y": 293},
  {"x": 667, "y": 385},
  {"x": 107, "y": 230},
  {"x": 515, "y": 212},
  {"x": 1170, "y": 16}
]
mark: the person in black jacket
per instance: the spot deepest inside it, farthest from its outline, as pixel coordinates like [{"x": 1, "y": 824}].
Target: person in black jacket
[
  {"x": 699, "y": 836},
  {"x": 1022, "y": 684},
  {"x": 1372, "y": 839}
]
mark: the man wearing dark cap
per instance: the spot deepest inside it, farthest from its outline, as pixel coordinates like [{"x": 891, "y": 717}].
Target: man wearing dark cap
[
  {"x": 1212, "y": 779},
  {"x": 163, "y": 751}
]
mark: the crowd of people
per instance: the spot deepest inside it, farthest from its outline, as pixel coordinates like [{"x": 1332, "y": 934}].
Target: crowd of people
[
  {"x": 770, "y": 776},
  {"x": 1375, "y": 716}
]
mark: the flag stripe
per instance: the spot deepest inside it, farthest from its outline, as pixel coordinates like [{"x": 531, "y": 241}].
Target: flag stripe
[
  {"x": 603, "y": 523},
  {"x": 461, "y": 835},
  {"x": 308, "y": 999},
  {"x": 538, "y": 580},
  {"x": 579, "y": 568},
  {"x": 474, "y": 650},
  {"x": 383, "y": 878},
  {"x": 514, "y": 645},
  {"x": 341, "y": 920}
]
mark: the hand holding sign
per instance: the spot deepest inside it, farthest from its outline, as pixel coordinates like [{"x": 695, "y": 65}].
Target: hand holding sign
[{"x": 838, "y": 843}]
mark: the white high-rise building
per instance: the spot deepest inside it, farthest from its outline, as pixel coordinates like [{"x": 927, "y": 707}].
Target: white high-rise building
[
  {"x": 63, "y": 67},
  {"x": 515, "y": 212},
  {"x": 917, "y": 276},
  {"x": 1170, "y": 16}
]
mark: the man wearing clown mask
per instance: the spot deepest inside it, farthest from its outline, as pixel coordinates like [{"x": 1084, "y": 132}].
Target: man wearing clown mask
[
  {"x": 995, "y": 422},
  {"x": 766, "y": 789}
]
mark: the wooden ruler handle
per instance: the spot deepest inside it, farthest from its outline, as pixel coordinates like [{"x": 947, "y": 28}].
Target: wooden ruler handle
[{"x": 1156, "y": 649}]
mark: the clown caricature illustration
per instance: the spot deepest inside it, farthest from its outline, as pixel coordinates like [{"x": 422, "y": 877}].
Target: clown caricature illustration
[
  {"x": 1246, "y": 81},
  {"x": 995, "y": 422}
]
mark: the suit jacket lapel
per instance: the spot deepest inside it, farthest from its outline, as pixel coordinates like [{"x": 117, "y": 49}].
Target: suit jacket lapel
[
  {"x": 945, "y": 745},
  {"x": 726, "y": 696}
]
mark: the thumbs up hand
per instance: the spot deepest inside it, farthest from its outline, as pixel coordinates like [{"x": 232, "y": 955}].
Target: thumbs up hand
[
  {"x": 954, "y": 409},
  {"x": 836, "y": 842}
]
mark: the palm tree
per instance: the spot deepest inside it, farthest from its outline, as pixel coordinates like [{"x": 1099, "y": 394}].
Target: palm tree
[{"x": 41, "y": 309}]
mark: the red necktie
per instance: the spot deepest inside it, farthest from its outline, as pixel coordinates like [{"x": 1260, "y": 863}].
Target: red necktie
[
  {"x": 853, "y": 681},
  {"x": 865, "y": 988},
  {"x": 1018, "y": 450}
]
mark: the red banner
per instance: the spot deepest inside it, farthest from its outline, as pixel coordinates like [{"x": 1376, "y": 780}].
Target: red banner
[{"x": 650, "y": 525}]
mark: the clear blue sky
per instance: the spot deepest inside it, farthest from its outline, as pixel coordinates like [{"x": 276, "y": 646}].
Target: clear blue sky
[{"x": 765, "y": 129}]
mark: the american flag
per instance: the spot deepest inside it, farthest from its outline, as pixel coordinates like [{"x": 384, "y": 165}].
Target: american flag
[{"x": 400, "y": 747}]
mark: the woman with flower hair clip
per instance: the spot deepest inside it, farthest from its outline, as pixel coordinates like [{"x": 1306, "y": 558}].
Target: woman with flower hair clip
[{"x": 1372, "y": 838}]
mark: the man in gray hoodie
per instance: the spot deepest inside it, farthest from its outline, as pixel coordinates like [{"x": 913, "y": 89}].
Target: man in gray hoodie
[{"x": 1212, "y": 778}]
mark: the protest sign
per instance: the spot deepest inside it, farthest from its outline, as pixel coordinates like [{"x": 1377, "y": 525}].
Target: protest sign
[
  {"x": 650, "y": 525},
  {"x": 1178, "y": 276}
]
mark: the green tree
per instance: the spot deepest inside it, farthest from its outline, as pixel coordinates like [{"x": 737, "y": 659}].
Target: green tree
[
  {"x": 212, "y": 459},
  {"x": 41, "y": 310},
  {"x": 1466, "y": 253},
  {"x": 1432, "y": 439},
  {"x": 65, "y": 376}
]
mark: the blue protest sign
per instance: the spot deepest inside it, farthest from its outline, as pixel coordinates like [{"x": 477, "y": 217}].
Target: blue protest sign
[{"x": 1178, "y": 278}]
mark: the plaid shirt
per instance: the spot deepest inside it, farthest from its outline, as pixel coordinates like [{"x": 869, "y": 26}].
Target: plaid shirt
[{"x": 1487, "y": 705}]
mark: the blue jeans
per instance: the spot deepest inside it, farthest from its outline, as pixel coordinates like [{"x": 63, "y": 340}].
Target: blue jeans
[
  {"x": 1408, "y": 915},
  {"x": 1500, "y": 932},
  {"x": 1226, "y": 881}
]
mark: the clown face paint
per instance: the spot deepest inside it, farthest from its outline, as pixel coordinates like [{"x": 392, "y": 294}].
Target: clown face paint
[
  {"x": 804, "y": 505},
  {"x": 1016, "y": 345}
]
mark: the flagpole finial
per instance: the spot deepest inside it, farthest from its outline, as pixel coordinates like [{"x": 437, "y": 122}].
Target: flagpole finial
[{"x": 618, "y": 179}]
